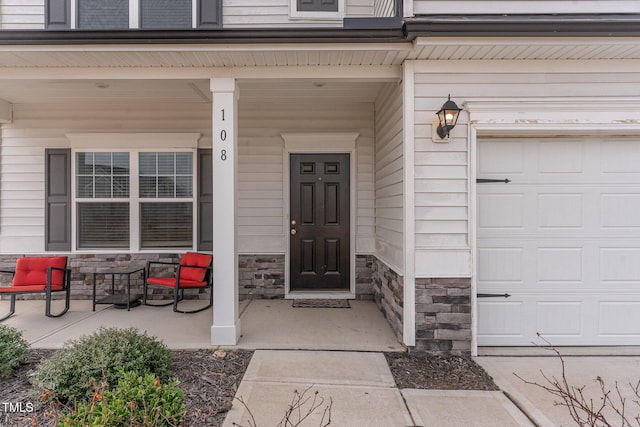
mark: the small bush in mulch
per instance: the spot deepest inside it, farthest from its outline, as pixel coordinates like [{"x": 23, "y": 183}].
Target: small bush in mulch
[
  {"x": 68, "y": 374},
  {"x": 13, "y": 349},
  {"x": 209, "y": 379},
  {"x": 136, "y": 401},
  {"x": 430, "y": 371}
]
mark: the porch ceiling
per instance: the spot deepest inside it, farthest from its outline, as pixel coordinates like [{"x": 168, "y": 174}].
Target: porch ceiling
[
  {"x": 179, "y": 73},
  {"x": 199, "y": 56},
  {"x": 60, "y": 91}
]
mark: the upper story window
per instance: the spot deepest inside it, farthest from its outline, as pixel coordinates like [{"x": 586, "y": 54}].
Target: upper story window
[
  {"x": 133, "y": 14},
  {"x": 316, "y": 9}
]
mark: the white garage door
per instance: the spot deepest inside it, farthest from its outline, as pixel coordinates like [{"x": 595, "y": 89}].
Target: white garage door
[{"x": 562, "y": 238}]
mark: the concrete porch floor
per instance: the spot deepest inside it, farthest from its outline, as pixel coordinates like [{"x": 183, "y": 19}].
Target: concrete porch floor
[{"x": 265, "y": 324}]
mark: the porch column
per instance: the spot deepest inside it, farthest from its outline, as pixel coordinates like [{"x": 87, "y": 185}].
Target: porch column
[{"x": 226, "y": 322}]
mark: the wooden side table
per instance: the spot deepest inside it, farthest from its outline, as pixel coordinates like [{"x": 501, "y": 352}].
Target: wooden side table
[{"x": 121, "y": 299}]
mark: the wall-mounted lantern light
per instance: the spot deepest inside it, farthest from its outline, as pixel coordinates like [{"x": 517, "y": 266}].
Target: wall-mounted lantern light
[{"x": 447, "y": 119}]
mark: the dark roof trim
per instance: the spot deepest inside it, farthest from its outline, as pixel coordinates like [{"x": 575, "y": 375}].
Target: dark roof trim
[
  {"x": 569, "y": 25},
  {"x": 221, "y": 36},
  {"x": 367, "y": 30}
]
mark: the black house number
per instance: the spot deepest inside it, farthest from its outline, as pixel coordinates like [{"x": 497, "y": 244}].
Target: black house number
[{"x": 223, "y": 138}]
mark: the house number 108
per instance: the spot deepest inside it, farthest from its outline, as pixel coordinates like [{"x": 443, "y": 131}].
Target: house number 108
[{"x": 223, "y": 138}]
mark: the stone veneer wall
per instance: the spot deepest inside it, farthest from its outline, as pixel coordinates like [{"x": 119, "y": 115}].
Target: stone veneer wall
[
  {"x": 261, "y": 276},
  {"x": 443, "y": 315},
  {"x": 388, "y": 287}
]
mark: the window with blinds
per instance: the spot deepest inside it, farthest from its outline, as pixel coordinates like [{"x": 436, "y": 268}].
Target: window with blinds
[
  {"x": 103, "y": 14},
  {"x": 166, "y": 14},
  {"x": 165, "y": 222},
  {"x": 164, "y": 183},
  {"x": 102, "y": 182}
]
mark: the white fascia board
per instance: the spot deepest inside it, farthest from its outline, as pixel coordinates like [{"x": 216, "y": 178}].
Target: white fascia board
[
  {"x": 505, "y": 66},
  {"x": 555, "y": 113}
]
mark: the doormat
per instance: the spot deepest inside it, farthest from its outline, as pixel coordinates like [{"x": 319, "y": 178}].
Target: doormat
[{"x": 321, "y": 303}]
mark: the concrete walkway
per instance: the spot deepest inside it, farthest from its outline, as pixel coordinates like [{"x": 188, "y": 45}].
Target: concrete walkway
[{"x": 361, "y": 390}]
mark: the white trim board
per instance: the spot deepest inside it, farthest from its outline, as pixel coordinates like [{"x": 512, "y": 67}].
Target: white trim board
[{"x": 320, "y": 142}]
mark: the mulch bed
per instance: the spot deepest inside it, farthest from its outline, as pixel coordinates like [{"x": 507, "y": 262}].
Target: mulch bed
[
  {"x": 210, "y": 380},
  {"x": 429, "y": 371}
]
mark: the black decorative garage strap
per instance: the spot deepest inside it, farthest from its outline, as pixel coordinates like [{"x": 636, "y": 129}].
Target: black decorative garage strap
[{"x": 484, "y": 180}]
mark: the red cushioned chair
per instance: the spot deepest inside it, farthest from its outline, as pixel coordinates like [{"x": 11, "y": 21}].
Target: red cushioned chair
[
  {"x": 192, "y": 272},
  {"x": 37, "y": 275}
]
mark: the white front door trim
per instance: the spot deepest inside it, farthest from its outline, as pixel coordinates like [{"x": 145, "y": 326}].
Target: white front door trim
[{"x": 320, "y": 142}]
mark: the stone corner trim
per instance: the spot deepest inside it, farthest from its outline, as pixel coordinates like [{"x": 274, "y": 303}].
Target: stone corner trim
[{"x": 443, "y": 315}]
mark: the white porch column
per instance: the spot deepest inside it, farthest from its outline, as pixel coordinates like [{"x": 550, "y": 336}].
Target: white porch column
[{"x": 226, "y": 322}]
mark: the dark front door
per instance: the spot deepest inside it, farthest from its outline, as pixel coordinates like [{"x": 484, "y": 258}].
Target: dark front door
[{"x": 319, "y": 222}]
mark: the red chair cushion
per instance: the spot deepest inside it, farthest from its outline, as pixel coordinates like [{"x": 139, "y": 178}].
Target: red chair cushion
[
  {"x": 33, "y": 271},
  {"x": 194, "y": 259},
  {"x": 171, "y": 282},
  {"x": 29, "y": 288}
]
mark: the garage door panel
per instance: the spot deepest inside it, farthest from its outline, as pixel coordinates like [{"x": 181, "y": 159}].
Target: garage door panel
[
  {"x": 621, "y": 264},
  {"x": 560, "y": 265},
  {"x": 501, "y": 211},
  {"x": 560, "y": 210},
  {"x": 619, "y": 157},
  {"x": 499, "y": 157},
  {"x": 619, "y": 318},
  {"x": 560, "y": 157},
  {"x": 500, "y": 265},
  {"x": 620, "y": 210},
  {"x": 562, "y": 238},
  {"x": 559, "y": 318},
  {"x": 501, "y": 319}
]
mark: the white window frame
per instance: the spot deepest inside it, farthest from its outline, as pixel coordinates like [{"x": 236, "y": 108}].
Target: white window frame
[
  {"x": 122, "y": 142},
  {"x": 134, "y": 14},
  {"x": 294, "y": 13}
]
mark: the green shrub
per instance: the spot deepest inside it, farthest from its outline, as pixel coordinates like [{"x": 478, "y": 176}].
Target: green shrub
[
  {"x": 136, "y": 401},
  {"x": 13, "y": 349},
  {"x": 68, "y": 373}
]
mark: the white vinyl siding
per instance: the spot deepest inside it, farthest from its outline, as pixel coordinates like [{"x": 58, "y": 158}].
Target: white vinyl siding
[
  {"x": 260, "y": 187},
  {"x": 275, "y": 13},
  {"x": 36, "y": 127},
  {"x": 429, "y": 7},
  {"x": 21, "y": 14},
  {"x": 389, "y": 177},
  {"x": 29, "y": 14},
  {"x": 442, "y": 181},
  {"x": 260, "y": 170}
]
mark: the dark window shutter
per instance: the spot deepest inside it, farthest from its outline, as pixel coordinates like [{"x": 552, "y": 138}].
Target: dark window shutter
[
  {"x": 57, "y": 14},
  {"x": 205, "y": 200},
  {"x": 318, "y": 5},
  {"x": 58, "y": 199},
  {"x": 209, "y": 13}
]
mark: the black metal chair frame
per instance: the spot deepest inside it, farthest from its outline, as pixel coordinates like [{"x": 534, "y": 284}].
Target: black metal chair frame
[
  {"x": 66, "y": 287},
  {"x": 178, "y": 292}
]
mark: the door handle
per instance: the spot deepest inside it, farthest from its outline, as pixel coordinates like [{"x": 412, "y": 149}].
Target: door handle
[{"x": 293, "y": 231}]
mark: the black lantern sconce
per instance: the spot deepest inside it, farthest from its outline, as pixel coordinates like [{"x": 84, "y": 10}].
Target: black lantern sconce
[{"x": 447, "y": 119}]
